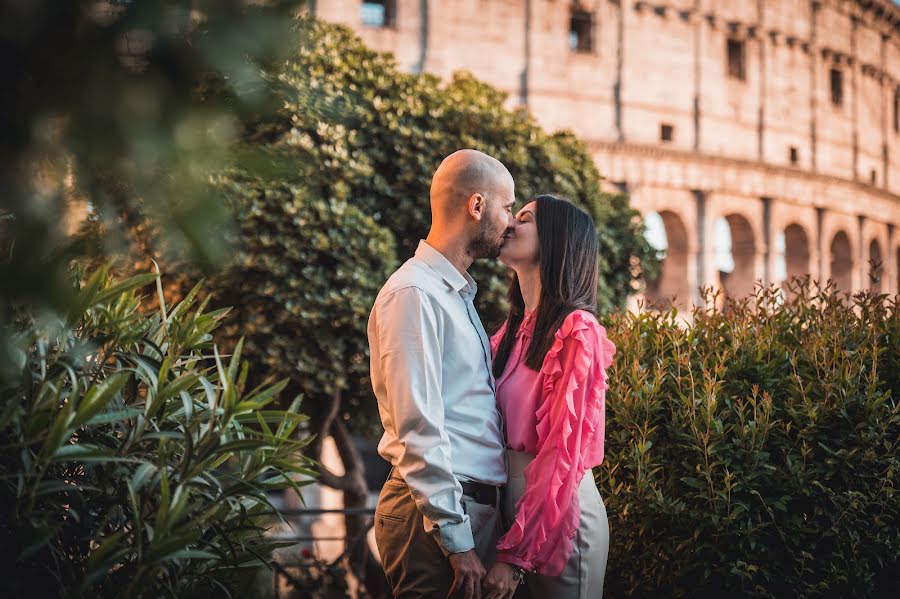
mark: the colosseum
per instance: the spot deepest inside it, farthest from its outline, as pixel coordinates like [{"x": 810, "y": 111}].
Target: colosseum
[{"x": 759, "y": 139}]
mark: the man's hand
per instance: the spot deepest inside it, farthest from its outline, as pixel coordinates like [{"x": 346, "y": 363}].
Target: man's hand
[
  {"x": 468, "y": 572},
  {"x": 500, "y": 583}
]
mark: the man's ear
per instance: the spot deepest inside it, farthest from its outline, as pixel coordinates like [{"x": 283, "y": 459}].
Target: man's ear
[{"x": 477, "y": 206}]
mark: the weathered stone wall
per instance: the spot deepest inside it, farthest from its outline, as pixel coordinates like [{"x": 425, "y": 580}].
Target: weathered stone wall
[{"x": 767, "y": 151}]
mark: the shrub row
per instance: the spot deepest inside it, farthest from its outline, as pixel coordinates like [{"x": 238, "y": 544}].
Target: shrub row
[{"x": 755, "y": 451}]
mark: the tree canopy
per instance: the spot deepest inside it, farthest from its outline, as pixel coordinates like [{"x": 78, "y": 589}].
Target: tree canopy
[{"x": 344, "y": 199}]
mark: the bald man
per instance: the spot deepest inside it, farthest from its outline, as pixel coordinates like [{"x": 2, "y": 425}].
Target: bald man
[{"x": 436, "y": 524}]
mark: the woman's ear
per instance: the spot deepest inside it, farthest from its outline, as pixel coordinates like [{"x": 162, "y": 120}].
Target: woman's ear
[{"x": 477, "y": 206}]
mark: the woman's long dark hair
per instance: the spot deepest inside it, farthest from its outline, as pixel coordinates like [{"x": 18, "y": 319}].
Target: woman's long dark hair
[{"x": 569, "y": 252}]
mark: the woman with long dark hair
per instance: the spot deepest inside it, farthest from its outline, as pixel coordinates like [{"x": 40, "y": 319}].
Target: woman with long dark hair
[{"x": 550, "y": 359}]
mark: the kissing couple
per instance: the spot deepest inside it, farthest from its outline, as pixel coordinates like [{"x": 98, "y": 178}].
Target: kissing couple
[{"x": 492, "y": 440}]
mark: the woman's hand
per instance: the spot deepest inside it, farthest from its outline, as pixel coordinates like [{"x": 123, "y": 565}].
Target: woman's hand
[{"x": 499, "y": 582}]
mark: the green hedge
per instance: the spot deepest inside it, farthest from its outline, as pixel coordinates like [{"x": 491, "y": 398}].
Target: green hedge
[
  {"x": 755, "y": 452},
  {"x": 135, "y": 461}
]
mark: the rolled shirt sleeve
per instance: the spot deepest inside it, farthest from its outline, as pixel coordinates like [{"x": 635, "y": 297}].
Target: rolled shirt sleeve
[{"x": 409, "y": 331}]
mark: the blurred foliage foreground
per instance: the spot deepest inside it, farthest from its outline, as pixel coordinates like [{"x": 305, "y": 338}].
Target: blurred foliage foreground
[
  {"x": 135, "y": 462},
  {"x": 756, "y": 450}
]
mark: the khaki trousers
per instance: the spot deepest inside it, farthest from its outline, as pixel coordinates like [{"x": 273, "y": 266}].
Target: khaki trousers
[
  {"x": 413, "y": 561},
  {"x": 582, "y": 577}
]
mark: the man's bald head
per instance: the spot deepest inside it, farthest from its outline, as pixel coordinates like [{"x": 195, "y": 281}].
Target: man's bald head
[{"x": 463, "y": 174}]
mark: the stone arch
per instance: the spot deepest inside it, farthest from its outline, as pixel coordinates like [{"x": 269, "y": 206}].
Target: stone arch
[
  {"x": 796, "y": 253},
  {"x": 838, "y": 231},
  {"x": 874, "y": 269},
  {"x": 673, "y": 280},
  {"x": 795, "y": 239},
  {"x": 841, "y": 260},
  {"x": 676, "y": 208},
  {"x": 739, "y": 282},
  {"x": 736, "y": 239}
]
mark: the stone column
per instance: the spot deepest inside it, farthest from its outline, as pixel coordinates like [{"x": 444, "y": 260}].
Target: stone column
[
  {"x": 698, "y": 37},
  {"x": 886, "y": 108},
  {"x": 526, "y": 66},
  {"x": 767, "y": 272},
  {"x": 891, "y": 268},
  {"x": 854, "y": 95},
  {"x": 423, "y": 37},
  {"x": 860, "y": 275},
  {"x": 815, "y": 5},
  {"x": 620, "y": 65},
  {"x": 703, "y": 275},
  {"x": 818, "y": 269},
  {"x": 761, "y": 108}
]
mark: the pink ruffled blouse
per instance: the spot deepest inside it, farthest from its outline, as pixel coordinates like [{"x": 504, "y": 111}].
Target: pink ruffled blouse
[{"x": 557, "y": 415}]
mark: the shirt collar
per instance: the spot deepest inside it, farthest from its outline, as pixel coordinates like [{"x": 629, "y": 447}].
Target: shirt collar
[{"x": 462, "y": 283}]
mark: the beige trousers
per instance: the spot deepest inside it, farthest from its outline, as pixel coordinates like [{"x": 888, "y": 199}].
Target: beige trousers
[
  {"x": 413, "y": 561},
  {"x": 582, "y": 577}
]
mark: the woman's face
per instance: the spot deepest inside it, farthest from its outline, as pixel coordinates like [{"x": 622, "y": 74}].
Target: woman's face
[{"x": 520, "y": 246}]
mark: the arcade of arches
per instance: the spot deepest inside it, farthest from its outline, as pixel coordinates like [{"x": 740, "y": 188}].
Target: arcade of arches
[
  {"x": 736, "y": 260},
  {"x": 766, "y": 226},
  {"x": 741, "y": 250}
]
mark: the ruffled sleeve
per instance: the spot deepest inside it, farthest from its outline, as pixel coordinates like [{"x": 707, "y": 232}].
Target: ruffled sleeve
[
  {"x": 496, "y": 338},
  {"x": 570, "y": 427}
]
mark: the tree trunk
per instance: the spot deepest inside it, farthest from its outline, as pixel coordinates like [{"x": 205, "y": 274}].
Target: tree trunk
[{"x": 353, "y": 484}]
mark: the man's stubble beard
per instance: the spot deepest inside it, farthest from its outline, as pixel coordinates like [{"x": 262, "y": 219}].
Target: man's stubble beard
[{"x": 483, "y": 245}]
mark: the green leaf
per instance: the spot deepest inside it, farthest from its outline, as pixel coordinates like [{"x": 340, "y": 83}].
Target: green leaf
[
  {"x": 193, "y": 554},
  {"x": 98, "y": 396},
  {"x": 142, "y": 475},
  {"x": 118, "y": 415},
  {"x": 122, "y": 287}
]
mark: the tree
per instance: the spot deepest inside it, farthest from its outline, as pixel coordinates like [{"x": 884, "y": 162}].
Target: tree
[{"x": 355, "y": 119}]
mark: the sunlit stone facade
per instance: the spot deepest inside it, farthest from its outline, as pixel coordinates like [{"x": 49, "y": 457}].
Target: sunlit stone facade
[{"x": 762, "y": 137}]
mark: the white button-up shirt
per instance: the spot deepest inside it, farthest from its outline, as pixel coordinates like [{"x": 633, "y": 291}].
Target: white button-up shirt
[{"x": 430, "y": 360}]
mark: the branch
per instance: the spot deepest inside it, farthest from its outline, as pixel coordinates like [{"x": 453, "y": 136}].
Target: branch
[
  {"x": 335, "y": 481},
  {"x": 314, "y": 449},
  {"x": 346, "y": 449}
]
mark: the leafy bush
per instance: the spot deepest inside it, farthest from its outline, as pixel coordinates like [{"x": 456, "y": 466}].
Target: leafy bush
[
  {"x": 338, "y": 197},
  {"x": 134, "y": 461},
  {"x": 756, "y": 450},
  {"x": 306, "y": 271},
  {"x": 376, "y": 135}
]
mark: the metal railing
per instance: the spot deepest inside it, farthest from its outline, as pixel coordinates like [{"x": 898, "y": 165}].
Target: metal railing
[{"x": 312, "y": 574}]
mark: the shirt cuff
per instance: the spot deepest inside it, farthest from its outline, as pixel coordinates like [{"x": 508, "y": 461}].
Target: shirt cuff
[
  {"x": 508, "y": 558},
  {"x": 454, "y": 538}
]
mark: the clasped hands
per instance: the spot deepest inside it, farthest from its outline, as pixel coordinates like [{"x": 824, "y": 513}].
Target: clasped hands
[
  {"x": 501, "y": 582},
  {"x": 471, "y": 582}
]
